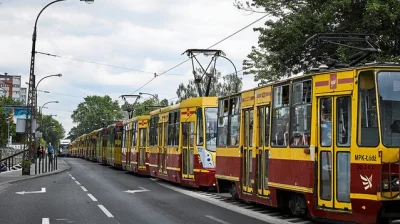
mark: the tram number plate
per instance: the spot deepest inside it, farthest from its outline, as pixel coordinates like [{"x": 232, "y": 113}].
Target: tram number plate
[
  {"x": 365, "y": 157},
  {"x": 365, "y": 167}
]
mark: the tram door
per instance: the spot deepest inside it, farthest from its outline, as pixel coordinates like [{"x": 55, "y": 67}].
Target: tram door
[
  {"x": 160, "y": 147},
  {"x": 187, "y": 138},
  {"x": 263, "y": 152},
  {"x": 165, "y": 149},
  {"x": 334, "y": 131},
  {"x": 247, "y": 159},
  {"x": 142, "y": 147}
]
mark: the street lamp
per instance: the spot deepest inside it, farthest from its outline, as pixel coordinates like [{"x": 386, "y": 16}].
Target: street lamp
[
  {"x": 58, "y": 75},
  {"x": 31, "y": 88},
  {"x": 40, "y": 112}
]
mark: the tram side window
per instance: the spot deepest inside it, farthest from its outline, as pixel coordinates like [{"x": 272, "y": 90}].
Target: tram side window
[
  {"x": 326, "y": 122},
  {"x": 134, "y": 132},
  {"x": 300, "y": 127},
  {"x": 223, "y": 122},
  {"x": 165, "y": 133},
  {"x": 142, "y": 136},
  {"x": 234, "y": 121},
  {"x": 368, "y": 127},
  {"x": 200, "y": 129},
  {"x": 171, "y": 127},
  {"x": 176, "y": 128},
  {"x": 343, "y": 121},
  {"x": 123, "y": 136},
  {"x": 280, "y": 116},
  {"x": 151, "y": 131}
]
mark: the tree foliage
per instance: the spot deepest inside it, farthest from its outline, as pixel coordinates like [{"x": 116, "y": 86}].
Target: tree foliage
[
  {"x": 280, "y": 50},
  {"x": 52, "y": 130},
  {"x": 17, "y": 137},
  {"x": 220, "y": 86},
  {"x": 94, "y": 113},
  {"x": 146, "y": 106}
]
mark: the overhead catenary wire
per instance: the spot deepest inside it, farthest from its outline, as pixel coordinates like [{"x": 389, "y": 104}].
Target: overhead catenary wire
[
  {"x": 229, "y": 36},
  {"x": 98, "y": 63}
]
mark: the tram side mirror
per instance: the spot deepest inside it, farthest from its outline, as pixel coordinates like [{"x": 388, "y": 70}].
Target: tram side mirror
[{"x": 395, "y": 127}]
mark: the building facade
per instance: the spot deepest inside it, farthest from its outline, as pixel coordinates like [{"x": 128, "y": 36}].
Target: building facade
[{"x": 10, "y": 85}]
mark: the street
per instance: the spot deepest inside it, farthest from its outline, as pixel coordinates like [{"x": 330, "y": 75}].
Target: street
[{"x": 93, "y": 193}]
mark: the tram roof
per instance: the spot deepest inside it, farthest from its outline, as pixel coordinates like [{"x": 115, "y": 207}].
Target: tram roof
[{"x": 373, "y": 65}]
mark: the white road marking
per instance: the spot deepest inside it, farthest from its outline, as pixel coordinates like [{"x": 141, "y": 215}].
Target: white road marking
[
  {"x": 105, "y": 211},
  {"x": 229, "y": 206},
  {"x": 73, "y": 178},
  {"x": 45, "y": 221},
  {"x": 83, "y": 188},
  {"x": 92, "y": 197},
  {"x": 61, "y": 219},
  {"x": 217, "y": 219},
  {"x": 136, "y": 191},
  {"x": 32, "y": 192},
  {"x": 69, "y": 174},
  {"x": 77, "y": 183}
]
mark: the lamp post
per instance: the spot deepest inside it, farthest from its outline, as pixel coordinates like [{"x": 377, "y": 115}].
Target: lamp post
[{"x": 31, "y": 104}]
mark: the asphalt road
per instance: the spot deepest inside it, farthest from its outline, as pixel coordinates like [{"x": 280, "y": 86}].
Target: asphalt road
[{"x": 92, "y": 193}]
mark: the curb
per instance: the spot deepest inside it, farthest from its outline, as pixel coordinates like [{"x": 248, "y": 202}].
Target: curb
[{"x": 36, "y": 176}]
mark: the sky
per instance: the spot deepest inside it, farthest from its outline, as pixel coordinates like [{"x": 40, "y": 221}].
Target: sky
[{"x": 137, "y": 35}]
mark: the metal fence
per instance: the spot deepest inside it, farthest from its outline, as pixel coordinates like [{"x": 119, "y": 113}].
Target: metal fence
[{"x": 13, "y": 156}]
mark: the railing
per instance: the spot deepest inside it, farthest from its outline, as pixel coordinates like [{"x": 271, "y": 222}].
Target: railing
[
  {"x": 14, "y": 159},
  {"x": 43, "y": 162}
]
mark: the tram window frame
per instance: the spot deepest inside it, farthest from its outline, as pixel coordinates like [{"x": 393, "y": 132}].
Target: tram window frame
[
  {"x": 171, "y": 126},
  {"x": 322, "y": 112},
  {"x": 301, "y": 98},
  {"x": 177, "y": 127},
  {"x": 134, "y": 134},
  {"x": 346, "y": 121},
  {"x": 370, "y": 95},
  {"x": 143, "y": 137},
  {"x": 227, "y": 111},
  {"x": 279, "y": 104},
  {"x": 200, "y": 126},
  {"x": 124, "y": 136}
]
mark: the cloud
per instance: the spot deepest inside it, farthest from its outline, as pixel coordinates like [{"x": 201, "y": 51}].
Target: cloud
[{"x": 143, "y": 35}]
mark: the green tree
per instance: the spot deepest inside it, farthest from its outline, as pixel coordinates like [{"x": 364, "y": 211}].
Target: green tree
[
  {"x": 280, "y": 50},
  {"x": 52, "y": 130},
  {"x": 94, "y": 113},
  {"x": 145, "y": 107},
  {"x": 17, "y": 137},
  {"x": 220, "y": 86}
]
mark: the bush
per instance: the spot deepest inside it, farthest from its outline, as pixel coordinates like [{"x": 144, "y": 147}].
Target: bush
[{"x": 26, "y": 167}]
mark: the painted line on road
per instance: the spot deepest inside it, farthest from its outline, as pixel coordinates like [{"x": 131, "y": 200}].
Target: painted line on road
[
  {"x": 92, "y": 197},
  {"x": 105, "y": 211},
  {"x": 69, "y": 174},
  {"x": 77, "y": 182},
  {"x": 217, "y": 219},
  {"x": 83, "y": 188},
  {"x": 73, "y": 178},
  {"x": 262, "y": 217},
  {"x": 45, "y": 221}
]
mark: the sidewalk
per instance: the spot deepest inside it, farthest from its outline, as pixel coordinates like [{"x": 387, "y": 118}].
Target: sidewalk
[{"x": 16, "y": 175}]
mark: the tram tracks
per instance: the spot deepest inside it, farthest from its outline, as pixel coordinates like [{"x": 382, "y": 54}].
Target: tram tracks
[{"x": 257, "y": 211}]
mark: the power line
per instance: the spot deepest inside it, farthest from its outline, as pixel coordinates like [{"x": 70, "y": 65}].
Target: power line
[
  {"x": 198, "y": 53},
  {"x": 61, "y": 94},
  {"x": 98, "y": 63}
]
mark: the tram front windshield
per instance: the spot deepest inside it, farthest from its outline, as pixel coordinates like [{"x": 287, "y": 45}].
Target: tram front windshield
[
  {"x": 389, "y": 105},
  {"x": 211, "y": 128}
]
